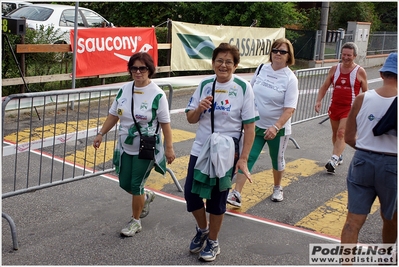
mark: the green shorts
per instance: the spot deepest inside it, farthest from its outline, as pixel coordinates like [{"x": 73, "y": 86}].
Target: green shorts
[{"x": 134, "y": 173}]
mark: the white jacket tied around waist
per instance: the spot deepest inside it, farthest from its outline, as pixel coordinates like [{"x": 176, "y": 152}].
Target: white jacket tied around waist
[{"x": 215, "y": 161}]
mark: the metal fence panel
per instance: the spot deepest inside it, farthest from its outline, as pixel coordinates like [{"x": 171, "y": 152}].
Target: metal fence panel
[
  {"x": 42, "y": 139},
  {"x": 304, "y": 43},
  {"x": 309, "y": 83},
  {"x": 382, "y": 43}
]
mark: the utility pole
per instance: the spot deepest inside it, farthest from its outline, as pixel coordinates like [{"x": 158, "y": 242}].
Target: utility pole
[{"x": 325, "y": 6}]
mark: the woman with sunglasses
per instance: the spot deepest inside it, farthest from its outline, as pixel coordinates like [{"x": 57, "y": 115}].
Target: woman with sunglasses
[
  {"x": 223, "y": 106},
  {"x": 276, "y": 95},
  {"x": 150, "y": 109}
]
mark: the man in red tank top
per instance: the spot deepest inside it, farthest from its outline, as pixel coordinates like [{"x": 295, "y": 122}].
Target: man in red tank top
[{"x": 346, "y": 78}]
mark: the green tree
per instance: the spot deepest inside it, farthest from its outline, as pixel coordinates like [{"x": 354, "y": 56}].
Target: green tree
[
  {"x": 373, "y": 12},
  {"x": 311, "y": 19},
  {"x": 145, "y": 14},
  {"x": 387, "y": 13},
  {"x": 267, "y": 14}
]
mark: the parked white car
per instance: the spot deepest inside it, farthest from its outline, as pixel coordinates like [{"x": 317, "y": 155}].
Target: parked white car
[
  {"x": 8, "y": 6},
  {"x": 59, "y": 16}
]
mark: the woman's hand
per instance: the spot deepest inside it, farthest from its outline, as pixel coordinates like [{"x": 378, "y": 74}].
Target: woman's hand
[
  {"x": 170, "y": 155},
  {"x": 243, "y": 166},
  {"x": 205, "y": 103},
  {"x": 270, "y": 133},
  {"x": 97, "y": 141}
]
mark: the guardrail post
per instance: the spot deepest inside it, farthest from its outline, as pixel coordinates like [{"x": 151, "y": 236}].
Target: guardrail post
[
  {"x": 170, "y": 107},
  {"x": 13, "y": 229}
]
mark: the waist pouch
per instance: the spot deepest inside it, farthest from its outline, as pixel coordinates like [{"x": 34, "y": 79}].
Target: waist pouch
[{"x": 147, "y": 147}]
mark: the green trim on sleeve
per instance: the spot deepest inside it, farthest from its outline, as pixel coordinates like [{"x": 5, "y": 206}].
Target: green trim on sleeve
[
  {"x": 250, "y": 120},
  {"x": 119, "y": 94},
  {"x": 242, "y": 84},
  {"x": 205, "y": 82}
]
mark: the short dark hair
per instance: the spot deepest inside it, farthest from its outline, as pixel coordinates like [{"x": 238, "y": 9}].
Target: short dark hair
[
  {"x": 144, "y": 57},
  {"x": 226, "y": 47},
  {"x": 388, "y": 75},
  {"x": 277, "y": 43}
]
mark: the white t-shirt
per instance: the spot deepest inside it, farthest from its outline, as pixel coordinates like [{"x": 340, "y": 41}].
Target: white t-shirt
[
  {"x": 234, "y": 106},
  {"x": 274, "y": 91},
  {"x": 373, "y": 109},
  {"x": 150, "y": 107}
]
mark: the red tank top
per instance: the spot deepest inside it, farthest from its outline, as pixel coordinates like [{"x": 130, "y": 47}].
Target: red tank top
[{"x": 345, "y": 87}]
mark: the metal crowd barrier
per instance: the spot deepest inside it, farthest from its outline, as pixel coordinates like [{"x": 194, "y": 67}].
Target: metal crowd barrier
[
  {"x": 309, "y": 83},
  {"x": 41, "y": 134}
]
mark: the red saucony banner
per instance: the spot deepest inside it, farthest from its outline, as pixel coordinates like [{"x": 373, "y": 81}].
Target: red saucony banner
[{"x": 108, "y": 50}]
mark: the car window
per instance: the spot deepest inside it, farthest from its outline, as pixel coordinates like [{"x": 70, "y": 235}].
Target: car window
[
  {"x": 68, "y": 18},
  {"x": 32, "y": 13},
  {"x": 7, "y": 7},
  {"x": 93, "y": 19}
]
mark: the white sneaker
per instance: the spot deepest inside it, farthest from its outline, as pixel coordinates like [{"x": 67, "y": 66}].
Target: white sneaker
[
  {"x": 277, "y": 195},
  {"x": 131, "y": 228},
  {"x": 234, "y": 198},
  {"x": 149, "y": 197}
]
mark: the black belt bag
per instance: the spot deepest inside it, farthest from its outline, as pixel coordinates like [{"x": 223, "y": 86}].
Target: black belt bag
[{"x": 147, "y": 147}]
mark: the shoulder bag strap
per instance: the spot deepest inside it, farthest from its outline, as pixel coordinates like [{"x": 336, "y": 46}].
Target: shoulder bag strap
[{"x": 213, "y": 105}]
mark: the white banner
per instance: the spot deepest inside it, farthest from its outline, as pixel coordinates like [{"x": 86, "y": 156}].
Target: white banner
[{"x": 193, "y": 44}]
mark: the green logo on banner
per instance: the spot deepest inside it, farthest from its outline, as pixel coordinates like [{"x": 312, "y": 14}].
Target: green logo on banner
[{"x": 197, "y": 47}]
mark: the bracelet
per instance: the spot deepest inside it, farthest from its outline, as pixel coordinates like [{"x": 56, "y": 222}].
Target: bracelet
[
  {"x": 275, "y": 127},
  {"x": 100, "y": 133}
]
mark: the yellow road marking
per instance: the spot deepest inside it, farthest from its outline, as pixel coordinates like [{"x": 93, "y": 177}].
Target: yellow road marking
[
  {"x": 330, "y": 217},
  {"x": 88, "y": 156},
  {"x": 179, "y": 168},
  {"x": 262, "y": 183},
  {"x": 53, "y": 130},
  {"x": 180, "y": 135}
]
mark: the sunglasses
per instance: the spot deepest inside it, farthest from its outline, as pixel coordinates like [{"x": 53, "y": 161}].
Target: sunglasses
[
  {"x": 142, "y": 69},
  {"x": 282, "y": 52}
]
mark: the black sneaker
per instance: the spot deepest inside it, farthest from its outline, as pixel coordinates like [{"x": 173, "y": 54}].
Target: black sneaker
[{"x": 330, "y": 166}]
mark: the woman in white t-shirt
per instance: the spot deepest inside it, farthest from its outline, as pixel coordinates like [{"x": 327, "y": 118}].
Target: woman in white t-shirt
[
  {"x": 151, "y": 110},
  {"x": 234, "y": 111},
  {"x": 276, "y": 95}
]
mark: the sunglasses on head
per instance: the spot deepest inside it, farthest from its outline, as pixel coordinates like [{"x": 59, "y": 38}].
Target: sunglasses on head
[
  {"x": 142, "y": 69},
  {"x": 282, "y": 52}
]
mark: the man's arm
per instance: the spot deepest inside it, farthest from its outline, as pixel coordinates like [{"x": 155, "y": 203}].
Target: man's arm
[
  {"x": 323, "y": 89},
  {"x": 362, "y": 77},
  {"x": 351, "y": 126}
]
